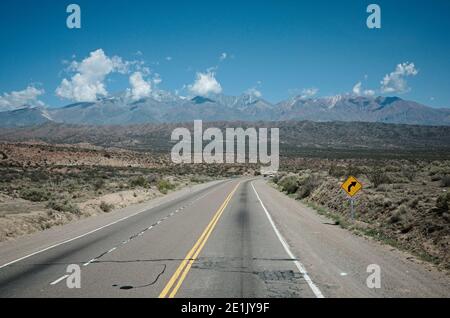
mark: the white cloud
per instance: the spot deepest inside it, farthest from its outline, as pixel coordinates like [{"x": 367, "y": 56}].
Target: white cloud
[
  {"x": 87, "y": 84},
  {"x": 369, "y": 92},
  {"x": 223, "y": 56},
  {"x": 309, "y": 92},
  {"x": 169, "y": 58},
  {"x": 157, "y": 79},
  {"x": 19, "y": 99},
  {"x": 359, "y": 91},
  {"x": 357, "y": 88},
  {"x": 140, "y": 88},
  {"x": 254, "y": 92},
  {"x": 395, "y": 82},
  {"x": 205, "y": 83}
]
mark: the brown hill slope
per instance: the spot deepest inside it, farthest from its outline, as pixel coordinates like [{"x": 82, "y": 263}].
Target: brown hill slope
[{"x": 335, "y": 139}]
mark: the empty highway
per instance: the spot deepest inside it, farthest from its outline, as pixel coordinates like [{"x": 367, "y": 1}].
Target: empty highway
[{"x": 231, "y": 238}]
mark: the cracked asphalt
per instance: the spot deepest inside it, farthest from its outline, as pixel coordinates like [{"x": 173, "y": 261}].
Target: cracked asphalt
[{"x": 231, "y": 238}]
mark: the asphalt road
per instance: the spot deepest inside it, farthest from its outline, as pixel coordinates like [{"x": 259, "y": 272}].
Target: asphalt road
[{"x": 234, "y": 238}]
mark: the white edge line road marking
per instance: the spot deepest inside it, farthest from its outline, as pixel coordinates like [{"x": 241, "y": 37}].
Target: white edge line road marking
[
  {"x": 90, "y": 232},
  {"x": 91, "y": 261},
  {"x": 59, "y": 279},
  {"x": 299, "y": 265}
]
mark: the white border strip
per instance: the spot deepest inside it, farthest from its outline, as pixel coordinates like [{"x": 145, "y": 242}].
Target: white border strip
[
  {"x": 299, "y": 265},
  {"x": 59, "y": 279}
]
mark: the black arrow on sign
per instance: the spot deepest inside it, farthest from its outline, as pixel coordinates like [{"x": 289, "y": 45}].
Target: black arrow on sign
[{"x": 351, "y": 185}]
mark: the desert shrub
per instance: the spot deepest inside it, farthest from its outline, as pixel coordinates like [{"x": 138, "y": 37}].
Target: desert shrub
[
  {"x": 139, "y": 182},
  {"x": 395, "y": 218},
  {"x": 337, "y": 171},
  {"x": 387, "y": 203},
  {"x": 70, "y": 185},
  {"x": 435, "y": 177},
  {"x": 198, "y": 179},
  {"x": 402, "y": 209},
  {"x": 391, "y": 168},
  {"x": 435, "y": 170},
  {"x": 383, "y": 188},
  {"x": 443, "y": 202},
  {"x": 35, "y": 194},
  {"x": 307, "y": 186},
  {"x": 409, "y": 173},
  {"x": 164, "y": 186},
  {"x": 397, "y": 215},
  {"x": 445, "y": 181},
  {"x": 152, "y": 178},
  {"x": 63, "y": 205},
  {"x": 99, "y": 184},
  {"x": 105, "y": 207},
  {"x": 289, "y": 184},
  {"x": 38, "y": 176},
  {"x": 276, "y": 178},
  {"x": 413, "y": 203},
  {"x": 353, "y": 170},
  {"x": 377, "y": 176}
]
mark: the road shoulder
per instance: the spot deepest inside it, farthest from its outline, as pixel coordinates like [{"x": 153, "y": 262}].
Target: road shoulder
[{"x": 337, "y": 259}]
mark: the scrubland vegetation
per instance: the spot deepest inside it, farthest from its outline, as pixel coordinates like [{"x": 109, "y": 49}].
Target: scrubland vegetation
[{"x": 404, "y": 203}]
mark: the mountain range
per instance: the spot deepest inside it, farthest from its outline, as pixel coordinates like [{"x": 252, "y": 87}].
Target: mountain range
[{"x": 167, "y": 108}]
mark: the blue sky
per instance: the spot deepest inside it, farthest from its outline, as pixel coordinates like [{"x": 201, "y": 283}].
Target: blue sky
[{"x": 278, "y": 48}]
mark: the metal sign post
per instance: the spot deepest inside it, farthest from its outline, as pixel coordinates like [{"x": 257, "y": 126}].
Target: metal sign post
[
  {"x": 352, "y": 207},
  {"x": 352, "y": 186}
]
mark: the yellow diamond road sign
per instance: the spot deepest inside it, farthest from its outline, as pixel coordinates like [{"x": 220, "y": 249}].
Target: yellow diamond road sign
[{"x": 351, "y": 186}]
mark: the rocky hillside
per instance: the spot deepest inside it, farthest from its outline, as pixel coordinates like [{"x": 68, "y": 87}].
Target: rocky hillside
[
  {"x": 168, "y": 108},
  {"x": 328, "y": 139}
]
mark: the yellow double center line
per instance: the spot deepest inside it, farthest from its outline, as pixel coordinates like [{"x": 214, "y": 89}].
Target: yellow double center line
[{"x": 180, "y": 274}]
